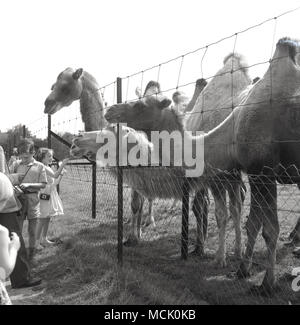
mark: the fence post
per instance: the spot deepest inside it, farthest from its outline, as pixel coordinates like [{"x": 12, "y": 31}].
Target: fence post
[
  {"x": 49, "y": 143},
  {"x": 185, "y": 220},
  {"x": 49, "y": 132},
  {"x": 120, "y": 181},
  {"x": 94, "y": 189}
]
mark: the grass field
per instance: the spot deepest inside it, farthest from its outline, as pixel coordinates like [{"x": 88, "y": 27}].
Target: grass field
[{"x": 83, "y": 270}]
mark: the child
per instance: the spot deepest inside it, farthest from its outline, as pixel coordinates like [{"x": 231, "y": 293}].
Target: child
[
  {"x": 33, "y": 181},
  {"x": 8, "y": 255},
  {"x": 51, "y": 204},
  {"x": 13, "y": 158}
]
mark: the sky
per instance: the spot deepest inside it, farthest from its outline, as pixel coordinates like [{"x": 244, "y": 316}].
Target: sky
[{"x": 111, "y": 38}]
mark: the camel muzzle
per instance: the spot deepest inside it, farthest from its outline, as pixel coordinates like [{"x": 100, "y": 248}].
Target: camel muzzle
[
  {"x": 51, "y": 106},
  {"x": 112, "y": 115}
]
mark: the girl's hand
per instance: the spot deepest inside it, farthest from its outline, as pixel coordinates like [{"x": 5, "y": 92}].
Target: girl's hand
[
  {"x": 15, "y": 241},
  {"x": 65, "y": 161}
]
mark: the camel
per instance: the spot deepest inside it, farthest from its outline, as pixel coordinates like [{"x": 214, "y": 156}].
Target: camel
[
  {"x": 261, "y": 137},
  {"x": 181, "y": 101},
  {"x": 197, "y": 91},
  {"x": 152, "y": 88},
  {"x": 151, "y": 183},
  {"x": 73, "y": 85},
  {"x": 146, "y": 118},
  {"x": 220, "y": 96}
]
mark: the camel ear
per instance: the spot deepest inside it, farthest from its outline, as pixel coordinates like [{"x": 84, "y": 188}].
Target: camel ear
[
  {"x": 76, "y": 75},
  {"x": 166, "y": 102}
]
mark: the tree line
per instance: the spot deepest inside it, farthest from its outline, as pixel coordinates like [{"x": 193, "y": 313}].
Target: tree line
[{"x": 13, "y": 136}]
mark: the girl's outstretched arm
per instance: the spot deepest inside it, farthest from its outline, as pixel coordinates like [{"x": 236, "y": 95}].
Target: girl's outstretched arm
[{"x": 56, "y": 174}]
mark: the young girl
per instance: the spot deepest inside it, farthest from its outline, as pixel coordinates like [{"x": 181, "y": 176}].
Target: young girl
[
  {"x": 8, "y": 255},
  {"x": 50, "y": 204}
]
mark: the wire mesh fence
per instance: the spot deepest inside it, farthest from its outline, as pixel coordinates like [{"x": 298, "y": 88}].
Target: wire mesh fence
[
  {"x": 159, "y": 218},
  {"x": 216, "y": 279}
]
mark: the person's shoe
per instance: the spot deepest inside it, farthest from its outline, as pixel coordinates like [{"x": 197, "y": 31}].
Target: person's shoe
[{"x": 30, "y": 283}]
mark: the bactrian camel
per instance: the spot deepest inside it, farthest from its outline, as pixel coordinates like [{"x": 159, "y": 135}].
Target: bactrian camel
[
  {"x": 261, "y": 137},
  {"x": 156, "y": 182},
  {"x": 72, "y": 85},
  {"x": 228, "y": 88}
]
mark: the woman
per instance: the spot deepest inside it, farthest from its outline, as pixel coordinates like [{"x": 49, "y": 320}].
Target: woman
[{"x": 10, "y": 219}]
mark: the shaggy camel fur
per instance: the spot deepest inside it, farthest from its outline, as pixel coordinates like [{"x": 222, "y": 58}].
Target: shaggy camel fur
[
  {"x": 261, "y": 137},
  {"x": 142, "y": 116},
  {"x": 151, "y": 183}
]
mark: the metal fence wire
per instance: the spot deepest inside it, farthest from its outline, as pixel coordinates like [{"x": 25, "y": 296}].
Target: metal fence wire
[{"x": 191, "y": 229}]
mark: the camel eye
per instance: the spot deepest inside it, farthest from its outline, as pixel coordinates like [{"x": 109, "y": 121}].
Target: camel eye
[{"x": 65, "y": 90}]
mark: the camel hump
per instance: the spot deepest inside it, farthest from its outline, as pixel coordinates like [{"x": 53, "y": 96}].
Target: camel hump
[
  {"x": 239, "y": 58},
  {"x": 291, "y": 45},
  {"x": 152, "y": 85},
  {"x": 201, "y": 82}
]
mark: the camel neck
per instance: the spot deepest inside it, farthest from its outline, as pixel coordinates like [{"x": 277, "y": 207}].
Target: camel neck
[
  {"x": 91, "y": 108},
  {"x": 219, "y": 146},
  {"x": 169, "y": 122}
]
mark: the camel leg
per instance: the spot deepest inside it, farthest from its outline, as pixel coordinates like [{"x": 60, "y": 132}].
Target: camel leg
[
  {"x": 265, "y": 194},
  {"x": 219, "y": 194},
  {"x": 137, "y": 203},
  {"x": 174, "y": 205},
  {"x": 200, "y": 209},
  {"x": 235, "y": 209},
  {"x": 294, "y": 236},
  {"x": 253, "y": 226},
  {"x": 150, "y": 218},
  {"x": 270, "y": 234}
]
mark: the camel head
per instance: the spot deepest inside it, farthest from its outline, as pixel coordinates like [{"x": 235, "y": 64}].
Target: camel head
[
  {"x": 67, "y": 88},
  {"x": 85, "y": 144},
  {"x": 89, "y": 143},
  {"x": 140, "y": 114},
  {"x": 180, "y": 101},
  {"x": 284, "y": 68}
]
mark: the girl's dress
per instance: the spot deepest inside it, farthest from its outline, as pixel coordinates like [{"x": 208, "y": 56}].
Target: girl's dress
[
  {"x": 52, "y": 207},
  {"x": 4, "y": 298}
]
